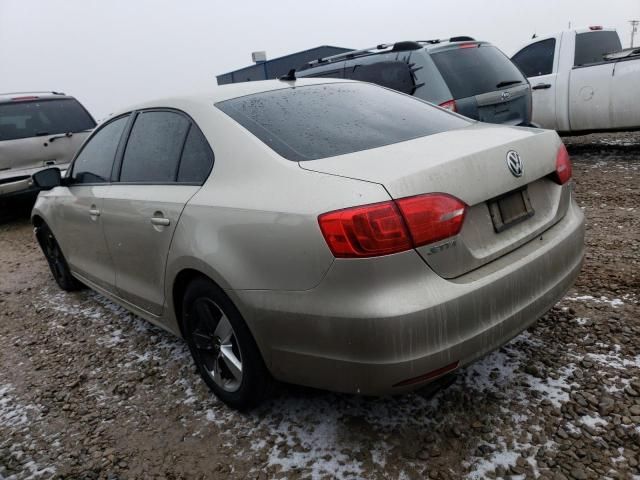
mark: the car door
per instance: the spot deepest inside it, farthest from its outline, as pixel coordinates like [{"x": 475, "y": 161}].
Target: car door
[
  {"x": 79, "y": 206},
  {"x": 142, "y": 209},
  {"x": 538, "y": 62}
]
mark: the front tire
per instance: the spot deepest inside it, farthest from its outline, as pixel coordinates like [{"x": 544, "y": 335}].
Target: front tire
[
  {"x": 57, "y": 263},
  {"x": 222, "y": 346}
]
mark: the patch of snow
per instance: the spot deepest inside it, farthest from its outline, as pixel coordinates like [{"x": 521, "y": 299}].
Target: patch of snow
[
  {"x": 593, "y": 422},
  {"x": 616, "y": 302}
]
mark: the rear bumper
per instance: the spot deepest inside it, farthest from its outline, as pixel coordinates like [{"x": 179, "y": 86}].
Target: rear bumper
[{"x": 374, "y": 323}]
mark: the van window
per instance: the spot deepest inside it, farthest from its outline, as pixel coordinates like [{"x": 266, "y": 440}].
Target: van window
[
  {"x": 475, "y": 70},
  {"x": 154, "y": 146},
  {"x": 537, "y": 58},
  {"x": 393, "y": 74},
  {"x": 34, "y": 118},
  {"x": 94, "y": 162},
  {"x": 318, "y": 121},
  {"x": 591, "y": 47}
]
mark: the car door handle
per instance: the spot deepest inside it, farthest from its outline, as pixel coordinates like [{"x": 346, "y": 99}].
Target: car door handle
[
  {"x": 160, "y": 221},
  {"x": 541, "y": 86},
  {"x": 94, "y": 212}
]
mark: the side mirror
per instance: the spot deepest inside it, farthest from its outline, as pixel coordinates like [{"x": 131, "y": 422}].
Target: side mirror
[{"x": 48, "y": 178}]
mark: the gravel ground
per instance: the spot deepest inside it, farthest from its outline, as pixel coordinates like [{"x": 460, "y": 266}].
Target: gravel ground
[{"x": 88, "y": 390}]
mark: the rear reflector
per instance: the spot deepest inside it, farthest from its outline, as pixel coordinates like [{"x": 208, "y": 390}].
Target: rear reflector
[
  {"x": 449, "y": 105},
  {"x": 563, "y": 166},
  {"x": 428, "y": 376},
  {"x": 393, "y": 226}
]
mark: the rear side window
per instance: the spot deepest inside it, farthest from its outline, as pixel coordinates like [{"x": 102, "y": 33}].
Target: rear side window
[
  {"x": 391, "y": 74},
  {"x": 154, "y": 147},
  {"x": 197, "y": 158},
  {"x": 591, "y": 47},
  {"x": 94, "y": 162},
  {"x": 26, "y": 119},
  {"x": 318, "y": 121},
  {"x": 476, "y": 70},
  {"x": 537, "y": 58}
]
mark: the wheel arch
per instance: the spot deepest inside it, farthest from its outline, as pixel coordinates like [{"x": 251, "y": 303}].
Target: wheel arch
[{"x": 178, "y": 288}]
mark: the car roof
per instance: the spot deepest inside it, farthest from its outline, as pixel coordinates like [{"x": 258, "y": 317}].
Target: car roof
[
  {"x": 25, "y": 96},
  {"x": 226, "y": 92}
]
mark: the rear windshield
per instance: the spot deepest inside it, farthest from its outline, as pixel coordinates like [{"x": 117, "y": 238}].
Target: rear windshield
[
  {"x": 25, "y": 119},
  {"x": 476, "y": 70},
  {"x": 591, "y": 47},
  {"x": 318, "y": 121}
]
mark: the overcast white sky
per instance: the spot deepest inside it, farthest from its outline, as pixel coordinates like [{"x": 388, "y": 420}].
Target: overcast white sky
[{"x": 113, "y": 53}]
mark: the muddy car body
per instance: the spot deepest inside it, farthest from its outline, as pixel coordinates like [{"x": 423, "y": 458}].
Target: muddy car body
[{"x": 337, "y": 234}]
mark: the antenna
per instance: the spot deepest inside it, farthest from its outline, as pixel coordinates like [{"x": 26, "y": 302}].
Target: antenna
[{"x": 634, "y": 29}]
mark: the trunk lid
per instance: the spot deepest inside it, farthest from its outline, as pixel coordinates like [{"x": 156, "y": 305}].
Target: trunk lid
[
  {"x": 510, "y": 106},
  {"x": 470, "y": 164}
]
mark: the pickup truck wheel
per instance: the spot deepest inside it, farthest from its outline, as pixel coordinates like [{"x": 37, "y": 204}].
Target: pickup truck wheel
[
  {"x": 222, "y": 346},
  {"x": 57, "y": 263}
]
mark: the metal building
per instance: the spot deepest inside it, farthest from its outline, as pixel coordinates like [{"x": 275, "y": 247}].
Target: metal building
[{"x": 269, "y": 69}]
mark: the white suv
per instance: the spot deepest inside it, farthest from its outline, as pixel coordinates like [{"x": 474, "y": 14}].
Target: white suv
[{"x": 38, "y": 130}]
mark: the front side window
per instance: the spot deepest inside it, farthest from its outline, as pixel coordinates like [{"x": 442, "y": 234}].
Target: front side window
[
  {"x": 537, "y": 58},
  {"x": 34, "y": 118},
  {"x": 591, "y": 47},
  {"x": 318, "y": 121},
  {"x": 94, "y": 162},
  {"x": 153, "y": 150}
]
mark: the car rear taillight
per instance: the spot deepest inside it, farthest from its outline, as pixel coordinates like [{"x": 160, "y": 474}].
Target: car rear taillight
[
  {"x": 595, "y": 27},
  {"x": 393, "y": 226},
  {"x": 432, "y": 217},
  {"x": 449, "y": 105},
  {"x": 563, "y": 166},
  {"x": 468, "y": 45},
  {"x": 23, "y": 99},
  {"x": 366, "y": 231}
]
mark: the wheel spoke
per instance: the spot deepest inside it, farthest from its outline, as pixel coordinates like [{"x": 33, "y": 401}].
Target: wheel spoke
[
  {"x": 223, "y": 330},
  {"x": 231, "y": 361},
  {"x": 215, "y": 373}
]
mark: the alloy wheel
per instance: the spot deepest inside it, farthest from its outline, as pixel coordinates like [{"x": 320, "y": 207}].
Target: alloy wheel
[{"x": 216, "y": 344}]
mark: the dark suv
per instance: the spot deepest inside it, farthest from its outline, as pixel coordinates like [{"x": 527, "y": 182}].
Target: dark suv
[{"x": 461, "y": 74}]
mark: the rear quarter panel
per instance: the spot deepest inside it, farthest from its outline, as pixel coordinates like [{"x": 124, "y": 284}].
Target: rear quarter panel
[
  {"x": 253, "y": 225},
  {"x": 626, "y": 93}
]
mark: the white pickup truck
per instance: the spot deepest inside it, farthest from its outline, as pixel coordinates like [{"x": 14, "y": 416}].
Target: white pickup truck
[{"x": 582, "y": 81}]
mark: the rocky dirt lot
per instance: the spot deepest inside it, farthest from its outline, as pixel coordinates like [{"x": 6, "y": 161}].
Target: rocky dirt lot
[{"x": 89, "y": 391}]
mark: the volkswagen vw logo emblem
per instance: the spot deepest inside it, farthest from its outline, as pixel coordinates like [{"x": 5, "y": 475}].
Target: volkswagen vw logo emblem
[
  {"x": 514, "y": 162},
  {"x": 505, "y": 95}
]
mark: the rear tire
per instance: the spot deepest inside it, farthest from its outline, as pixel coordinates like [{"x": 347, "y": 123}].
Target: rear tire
[
  {"x": 222, "y": 346},
  {"x": 57, "y": 263}
]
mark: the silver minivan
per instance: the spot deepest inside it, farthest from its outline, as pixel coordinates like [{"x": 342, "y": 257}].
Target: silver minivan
[
  {"x": 38, "y": 130},
  {"x": 470, "y": 77}
]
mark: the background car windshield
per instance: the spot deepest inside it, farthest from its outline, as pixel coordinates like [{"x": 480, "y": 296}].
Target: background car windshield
[
  {"x": 476, "y": 70},
  {"x": 42, "y": 117},
  {"x": 318, "y": 121}
]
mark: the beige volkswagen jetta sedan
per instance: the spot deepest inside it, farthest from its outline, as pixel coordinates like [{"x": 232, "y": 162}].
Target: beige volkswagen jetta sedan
[{"x": 326, "y": 233}]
